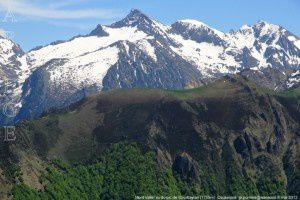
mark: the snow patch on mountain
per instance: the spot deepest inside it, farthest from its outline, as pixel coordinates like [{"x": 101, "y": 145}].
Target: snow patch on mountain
[
  {"x": 297, "y": 43},
  {"x": 267, "y": 28},
  {"x": 145, "y": 46},
  {"x": 244, "y": 37},
  {"x": 293, "y": 79},
  {"x": 82, "y": 45},
  {"x": 88, "y": 69},
  {"x": 6, "y": 50},
  {"x": 206, "y": 56},
  {"x": 195, "y": 24}
]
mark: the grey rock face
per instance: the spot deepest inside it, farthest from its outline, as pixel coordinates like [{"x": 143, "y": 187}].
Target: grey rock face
[
  {"x": 137, "y": 69},
  {"x": 98, "y": 32},
  {"x": 204, "y": 34},
  {"x": 186, "y": 167},
  {"x": 273, "y": 78},
  {"x": 246, "y": 59}
]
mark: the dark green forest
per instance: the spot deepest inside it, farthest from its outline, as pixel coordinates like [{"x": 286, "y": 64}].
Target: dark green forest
[{"x": 124, "y": 172}]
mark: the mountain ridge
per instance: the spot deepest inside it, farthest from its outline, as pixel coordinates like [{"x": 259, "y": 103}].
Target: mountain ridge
[{"x": 231, "y": 137}]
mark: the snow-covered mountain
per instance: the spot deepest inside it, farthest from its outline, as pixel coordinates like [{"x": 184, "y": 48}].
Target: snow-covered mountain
[
  {"x": 141, "y": 52},
  {"x": 12, "y": 63}
]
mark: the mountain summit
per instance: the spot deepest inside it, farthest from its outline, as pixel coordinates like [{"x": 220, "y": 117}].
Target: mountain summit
[
  {"x": 138, "y": 51},
  {"x": 134, "y": 18}
]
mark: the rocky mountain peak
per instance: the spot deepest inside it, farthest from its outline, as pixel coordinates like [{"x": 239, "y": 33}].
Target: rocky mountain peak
[
  {"x": 263, "y": 28},
  {"x": 135, "y": 13},
  {"x": 134, "y": 18},
  {"x": 98, "y": 31},
  {"x": 245, "y": 29}
]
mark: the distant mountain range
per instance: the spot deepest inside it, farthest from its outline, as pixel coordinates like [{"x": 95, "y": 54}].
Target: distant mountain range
[{"x": 141, "y": 52}]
